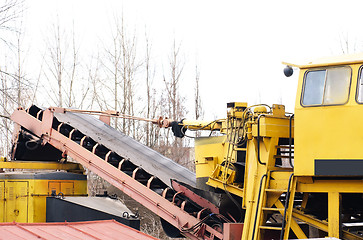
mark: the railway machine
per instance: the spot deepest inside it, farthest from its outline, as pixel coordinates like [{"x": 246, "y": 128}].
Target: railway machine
[{"x": 288, "y": 176}]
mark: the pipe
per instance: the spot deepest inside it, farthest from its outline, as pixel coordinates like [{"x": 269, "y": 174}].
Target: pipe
[
  {"x": 290, "y": 139},
  {"x": 258, "y": 140}
]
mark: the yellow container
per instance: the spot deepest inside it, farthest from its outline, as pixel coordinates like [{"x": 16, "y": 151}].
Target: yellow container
[{"x": 23, "y": 195}]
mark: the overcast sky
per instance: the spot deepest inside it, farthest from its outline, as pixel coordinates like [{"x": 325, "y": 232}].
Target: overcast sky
[{"x": 238, "y": 45}]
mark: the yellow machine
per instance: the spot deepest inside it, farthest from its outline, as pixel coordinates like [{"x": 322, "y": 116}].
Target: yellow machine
[
  {"x": 293, "y": 172},
  {"x": 23, "y": 195},
  {"x": 290, "y": 176}
]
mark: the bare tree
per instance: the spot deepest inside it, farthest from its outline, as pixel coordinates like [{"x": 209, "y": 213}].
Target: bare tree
[
  {"x": 55, "y": 64},
  {"x": 174, "y": 147},
  {"x": 176, "y": 67},
  {"x": 15, "y": 88},
  {"x": 348, "y": 44},
  {"x": 151, "y": 132},
  {"x": 7, "y": 101},
  {"x": 198, "y": 110},
  {"x": 112, "y": 66},
  {"x": 121, "y": 66},
  {"x": 62, "y": 69},
  {"x": 97, "y": 99},
  {"x": 73, "y": 68},
  {"x": 129, "y": 69},
  {"x": 23, "y": 84},
  {"x": 10, "y": 11}
]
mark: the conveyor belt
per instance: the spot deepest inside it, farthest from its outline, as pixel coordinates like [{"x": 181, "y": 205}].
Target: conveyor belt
[
  {"x": 128, "y": 148},
  {"x": 138, "y": 171}
]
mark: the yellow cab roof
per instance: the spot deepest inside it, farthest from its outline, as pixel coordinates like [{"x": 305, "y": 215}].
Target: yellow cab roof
[{"x": 330, "y": 61}]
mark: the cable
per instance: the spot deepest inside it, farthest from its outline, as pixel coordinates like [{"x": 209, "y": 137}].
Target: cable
[
  {"x": 198, "y": 224},
  {"x": 235, "y": 202}
]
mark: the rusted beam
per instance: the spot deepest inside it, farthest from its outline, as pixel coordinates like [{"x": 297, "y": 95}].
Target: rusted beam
[{"x": 117, "y": 178}]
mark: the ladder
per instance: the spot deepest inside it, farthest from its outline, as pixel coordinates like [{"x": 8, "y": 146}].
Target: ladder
[{"x": 269, "y": 203}]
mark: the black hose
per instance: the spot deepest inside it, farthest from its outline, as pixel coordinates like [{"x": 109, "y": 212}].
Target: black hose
[
  {"x": 258, "y": 140},
  {"x": 31, "y": 145},
  {"x": 234, "y": 202},
  {"x": 258, "y": 204},
  {"x": 286, "y": 206}
]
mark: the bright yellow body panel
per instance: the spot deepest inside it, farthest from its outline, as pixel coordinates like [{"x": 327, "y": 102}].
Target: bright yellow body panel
[
  {"x": 208, "y": 153},
  {"x": 24, "y": 200},
  {"x": 327, "y": 132},
  {"x": 16, "y": 206}
]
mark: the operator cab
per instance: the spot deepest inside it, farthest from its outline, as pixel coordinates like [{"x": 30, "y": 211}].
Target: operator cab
[{"x": 328, "y": 109}]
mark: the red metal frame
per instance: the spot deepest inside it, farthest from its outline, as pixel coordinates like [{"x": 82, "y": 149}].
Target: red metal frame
[
  {"x": 71, "y": 230},
  {"x": 156, "y": 203},
  {"x": 194, "y": 197}
]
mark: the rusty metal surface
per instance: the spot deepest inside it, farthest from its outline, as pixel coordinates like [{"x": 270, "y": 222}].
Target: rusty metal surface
[
  {"x": 169, "y": 205},
  {"x": 106, "y": 230},
  {"x": 197, "y": 198},
  {"x": 139, "y": 154}
]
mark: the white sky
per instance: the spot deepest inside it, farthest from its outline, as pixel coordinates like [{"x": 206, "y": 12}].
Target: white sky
[{"x": 238, "y": 45}]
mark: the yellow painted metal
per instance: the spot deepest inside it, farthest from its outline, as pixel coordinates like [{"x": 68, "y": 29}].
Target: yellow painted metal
[
  {"x": 238, "y": 105},
  {"x": 260, "y": 109},
  {"x": 334, "y": 213},
  {"x": 279, "y": 179},
  {"x": 325, "y": 186},
  {"x": 2, "y": 201},
  {"x": 334, "y": 134},
  {"x": 273, "y": 127},
  {"x": 61, "y": 187},
  {"x": 319, "y": 132},
  {"x": 264, "y": 182},
  {"x": 294, "y": 225},
  {"x": 25, "y": 199},
  {"x": 224, "y": 173},
  {"x": 322, "y": 225},
  {"x": 257, "y": 181},
  {"x": 202, "y": 125},
  {"x": 72, "y": 167},
  {"x": 288, "y": 214},
  {"x": 311, "y": 220},
  {"x": 347, "y": 59},
  {"x": 278, "y": 110},
  {"x": 236, "y": 190},
  {"x": 17, "y": 193},
  {"x": 208, "y": 153},
  {"x": 236, "y": 109}
]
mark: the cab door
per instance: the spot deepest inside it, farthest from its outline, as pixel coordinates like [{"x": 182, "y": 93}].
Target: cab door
[
  {"x": 16, "y": 201},
  {"x": 328, "y": 131}
]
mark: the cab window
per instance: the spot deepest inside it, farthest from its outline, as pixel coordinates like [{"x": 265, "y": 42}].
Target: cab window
[
  {"x": 326, "y": 87},
  {"x": 360, "y": 86}
]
